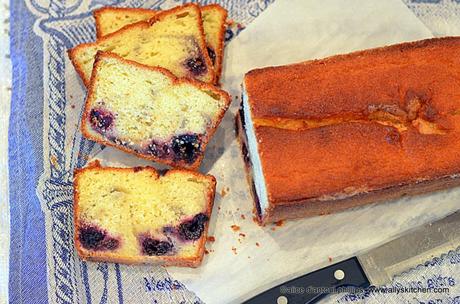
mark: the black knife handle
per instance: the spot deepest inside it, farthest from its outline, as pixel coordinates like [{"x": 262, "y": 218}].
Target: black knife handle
[{"x": 313, "y": 286}]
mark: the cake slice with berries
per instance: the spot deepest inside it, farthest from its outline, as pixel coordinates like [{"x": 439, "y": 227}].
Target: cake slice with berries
[
  {"x": 136, "y": 215},
  {"x": 173, "y": 39},
  {"x": 214, "y": 24},
  {"x": 111, "y": 19},
  {"x": 151, "y": 113}
]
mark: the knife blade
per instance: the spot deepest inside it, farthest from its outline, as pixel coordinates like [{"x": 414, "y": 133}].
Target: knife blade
[{"x": 375, "y": 267}]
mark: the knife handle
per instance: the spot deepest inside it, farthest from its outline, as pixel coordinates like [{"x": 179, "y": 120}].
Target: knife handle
[{"x": 313, "y": 286}]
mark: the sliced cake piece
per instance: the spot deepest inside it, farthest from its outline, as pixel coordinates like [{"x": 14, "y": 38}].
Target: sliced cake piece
[
  {"x": 149, "y": 112},
  {"x": 111, "y": 19},
  {"x": 134, "y": 215},
  {"x": 214, "y": 24},
  {"x": 172, "y": 39}
]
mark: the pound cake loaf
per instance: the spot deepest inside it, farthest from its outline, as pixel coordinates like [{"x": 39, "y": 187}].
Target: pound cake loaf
[
  {"x": 326, "y": 135},
  {"x": 172, "y": 39},
  {"x": 111, "y": 19},
  {"x": 135, "y": 215},
  {"x": 151, "y": 113}
]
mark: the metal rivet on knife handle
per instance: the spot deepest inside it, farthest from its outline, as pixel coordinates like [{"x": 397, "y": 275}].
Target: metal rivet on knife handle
[
  {"x": 282, "y": 300},
  {"x": 339, "y": 274}
]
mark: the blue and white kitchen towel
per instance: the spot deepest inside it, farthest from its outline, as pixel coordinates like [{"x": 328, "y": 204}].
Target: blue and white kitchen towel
[{"x": 45, "y": 146}]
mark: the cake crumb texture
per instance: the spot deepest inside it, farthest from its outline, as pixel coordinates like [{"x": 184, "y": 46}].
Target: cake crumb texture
[
  {"x": 112, "y": 19},
  {"x": 147, "y": 111},
  {"x": 172, "y": 39},
  {"x": 137, "y": 216}
]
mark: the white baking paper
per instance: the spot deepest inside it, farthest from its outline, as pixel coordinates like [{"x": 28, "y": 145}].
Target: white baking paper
[{"x": 243, "y": 262}]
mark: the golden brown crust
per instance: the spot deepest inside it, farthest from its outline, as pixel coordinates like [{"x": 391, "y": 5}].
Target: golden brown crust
[
  {"x": 300, "y": 208},
  {"x": 308, "y": 208},
  {"x": 160, "y": 260},
  {"x": 351, "y": 129},
  {"x": 145, "y": 24},
  {"x": 220, "y": 50},
  {"x": 97, "y": 15},
  {"x": 299, "y": 82},
  {"x": 78, "y": 68},
  {"x": 204, "y": 86}
]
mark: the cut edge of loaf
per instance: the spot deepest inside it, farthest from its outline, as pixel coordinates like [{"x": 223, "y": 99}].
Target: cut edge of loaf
[
  {"x": 146, "y": 23},
  {"x": 210, "y": 130},
  {"x": 309, "y": 207},
  {"x": 220, "y": 51},
  {"x": 162, "y": 260}
]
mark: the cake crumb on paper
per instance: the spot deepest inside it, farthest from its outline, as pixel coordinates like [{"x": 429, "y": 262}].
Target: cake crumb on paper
[
  {"x": 224, "y": 191},
  {"x": 234, "y": 250},
  {"x": 242, "y": 234},
  {"x": 235, "y": 227},
  {"x": 211, "y": 239},
  {"x": 85, "y": 157},
  {"x": 257, "y": 244},
  {"x": 330, "y": 259},
  {"x": 279, "y": 223},
  {"x": 243, "y": 217}
]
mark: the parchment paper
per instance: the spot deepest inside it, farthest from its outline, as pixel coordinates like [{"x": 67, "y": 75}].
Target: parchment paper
[{"x": 243, "y": 262}]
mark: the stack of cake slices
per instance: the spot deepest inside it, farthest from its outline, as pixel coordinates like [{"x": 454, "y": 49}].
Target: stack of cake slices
[{"x": 152, "y": 80}]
